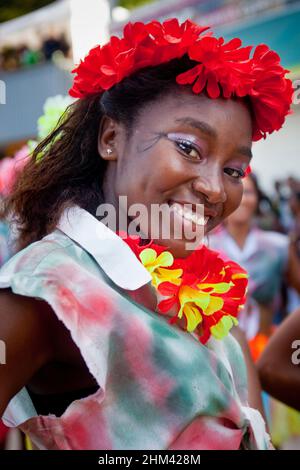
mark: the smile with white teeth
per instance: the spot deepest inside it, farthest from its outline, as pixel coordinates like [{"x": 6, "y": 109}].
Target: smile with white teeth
[{"x": 190, "y": 215}]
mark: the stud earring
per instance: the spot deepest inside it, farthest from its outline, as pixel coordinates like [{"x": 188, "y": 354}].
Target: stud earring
[{"x": 109, "y": 151}]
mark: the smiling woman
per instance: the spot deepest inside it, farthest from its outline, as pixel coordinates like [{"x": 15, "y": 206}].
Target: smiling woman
[
  {"x": 166, "y": 116},
  {"x": 165, "y": 144},
  {"x": 184, "y": 150}
]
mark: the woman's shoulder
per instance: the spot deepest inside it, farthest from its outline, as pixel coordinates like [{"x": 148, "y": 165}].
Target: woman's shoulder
[
  {"x": 56, "y": 270},
  {"x": 275, "y": 238},
  {"x": 53, "y": 250}
]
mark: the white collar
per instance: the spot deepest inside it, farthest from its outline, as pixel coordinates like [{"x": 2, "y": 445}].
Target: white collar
[{"x": 109, "y": 250}]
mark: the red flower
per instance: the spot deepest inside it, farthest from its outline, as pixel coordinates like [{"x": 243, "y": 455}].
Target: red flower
[
  {"x": 248, "y": 171},
  {"x": 271, "y": 93},
  {"x": 203, "y": 289},
  {"x": 142, "y": 45},
  {"x": 220, "y": 64},
  {"x": 172, "y": 39},
  {"x": 211, "y": 289}
]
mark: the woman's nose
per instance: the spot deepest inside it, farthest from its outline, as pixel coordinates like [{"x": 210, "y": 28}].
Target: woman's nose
[{"x": 210, "y": 184}]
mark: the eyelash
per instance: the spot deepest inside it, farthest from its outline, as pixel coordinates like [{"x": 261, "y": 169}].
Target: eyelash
[
  {"x": 240, "y": 175},
  {"x": 187, "y": 143}
]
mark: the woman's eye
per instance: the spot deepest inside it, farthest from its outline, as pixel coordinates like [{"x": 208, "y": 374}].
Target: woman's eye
[
  {"x": 189, "y": 149},
  {"x": 235, "y": 173}
]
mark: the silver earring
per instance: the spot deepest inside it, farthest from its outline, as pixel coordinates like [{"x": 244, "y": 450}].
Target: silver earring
[{"x": 109, "y": 151}]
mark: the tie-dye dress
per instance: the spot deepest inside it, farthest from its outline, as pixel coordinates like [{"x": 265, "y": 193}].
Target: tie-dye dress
[{"x": 159, "y": 387}]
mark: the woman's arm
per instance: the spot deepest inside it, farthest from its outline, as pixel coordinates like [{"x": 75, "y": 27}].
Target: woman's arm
[
  {"x": 25, "y": 342},
  {"x": 279, "y": 365}
]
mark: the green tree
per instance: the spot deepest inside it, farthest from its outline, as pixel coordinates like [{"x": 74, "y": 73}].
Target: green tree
[
  {"x": 10, "y": 9},
  {"x": 133, "y": 3}
]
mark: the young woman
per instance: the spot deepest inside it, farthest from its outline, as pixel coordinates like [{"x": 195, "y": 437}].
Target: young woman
[{"x": 165, "y": 116}]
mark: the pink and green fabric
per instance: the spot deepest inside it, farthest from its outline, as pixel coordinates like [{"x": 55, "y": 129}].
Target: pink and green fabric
[{"x": 159, "y": 387}]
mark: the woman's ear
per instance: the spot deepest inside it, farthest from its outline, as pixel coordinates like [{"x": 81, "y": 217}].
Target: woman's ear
[{"x": 109, "y": 139}]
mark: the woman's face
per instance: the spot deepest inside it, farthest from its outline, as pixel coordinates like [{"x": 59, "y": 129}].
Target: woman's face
[
  {"x": 248, "y": 205},
  {"x": 184, "y": 149}
]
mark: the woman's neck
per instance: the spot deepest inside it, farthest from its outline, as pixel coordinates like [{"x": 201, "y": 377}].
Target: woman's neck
[{"x": 239, "y": 232}]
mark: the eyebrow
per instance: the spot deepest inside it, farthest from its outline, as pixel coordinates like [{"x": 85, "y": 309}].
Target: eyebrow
[
  {"x": 210, "y": 132},
  {"x": 202, "y": 126}
]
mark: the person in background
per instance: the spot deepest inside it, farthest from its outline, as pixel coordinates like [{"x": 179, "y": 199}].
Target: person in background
[
  {"x": 295, "y": 210},
  {"x": 294, "y": 204},
  {"x": 50, "y": 45},
  {"x": 5, "y": 251},
  {"x": 268, "y": 256},
  {"x": 280, "y": 200}
]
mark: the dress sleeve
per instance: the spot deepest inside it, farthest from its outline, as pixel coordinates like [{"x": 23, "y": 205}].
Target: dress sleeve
[{"x": 82, "y": 301}]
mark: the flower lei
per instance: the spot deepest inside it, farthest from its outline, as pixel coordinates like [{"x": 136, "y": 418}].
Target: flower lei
[
  {"x": 203, "y": 289},
  {"x": 222, "y": 69}
]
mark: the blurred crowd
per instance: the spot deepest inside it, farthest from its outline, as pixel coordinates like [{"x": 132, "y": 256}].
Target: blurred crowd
[
  {"x": 14, "y": 58},
  {"x": 263, "y": 236},
  {"x": 281, "y": 213}
]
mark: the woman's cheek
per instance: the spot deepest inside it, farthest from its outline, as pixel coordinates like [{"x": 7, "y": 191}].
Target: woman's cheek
[{"x": 234, "y": 198}]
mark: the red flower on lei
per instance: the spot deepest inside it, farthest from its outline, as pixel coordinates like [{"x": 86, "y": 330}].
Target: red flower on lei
[
  {"x": 223, "y": 69},
  {"x": 203, "y": 289}
]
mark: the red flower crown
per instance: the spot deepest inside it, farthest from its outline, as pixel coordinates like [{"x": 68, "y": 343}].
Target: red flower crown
[{"x": 223, "y": 69}]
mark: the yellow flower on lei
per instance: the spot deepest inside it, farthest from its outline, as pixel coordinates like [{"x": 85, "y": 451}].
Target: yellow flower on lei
[{"x": 157, "y": 266}]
